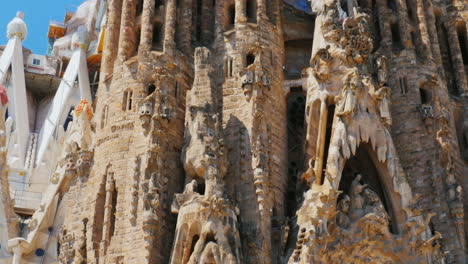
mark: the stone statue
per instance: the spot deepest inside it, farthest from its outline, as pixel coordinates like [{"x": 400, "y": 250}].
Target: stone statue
[
  {"x": 357, "y": 202},
  {"x": 342, "y": 219},
  {"x": 347, "y": 98}
]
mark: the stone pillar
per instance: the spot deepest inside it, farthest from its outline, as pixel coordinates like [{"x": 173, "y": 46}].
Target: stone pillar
[
  {"x": 127, "y": 36},
  {"x": 432, "y": 31},
  {"x": 170, "y": 25},
  {"x": 423, "y": 28},
  {"x": 147, "y": 25},
  {"x": 240, "y": 11},
  {"x": 321, "y": 140},
  {"x": 112, "y": 37},
  {"x": 262, "y": 10}
]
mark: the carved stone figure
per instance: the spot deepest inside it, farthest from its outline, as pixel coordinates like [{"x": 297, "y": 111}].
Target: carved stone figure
[
  {"x": 347, "y": 98},
  {"x": 342, "y": 218},
  {"x": 357, "y": 202},
  {"x": 321, "y": 64}
]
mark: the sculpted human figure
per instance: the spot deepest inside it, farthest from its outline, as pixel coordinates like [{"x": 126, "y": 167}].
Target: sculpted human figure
[
  {"x": 381, "y": 94},
  {"x": 347, "y": 98},
  {"x": 342, "y": 219},
  {"x": 357, "y": 202}
]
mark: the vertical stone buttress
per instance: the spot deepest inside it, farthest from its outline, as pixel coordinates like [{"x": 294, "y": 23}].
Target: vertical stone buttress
[
  {"x": 139, "y": 134},
  {"x": 251, "y": 50}
]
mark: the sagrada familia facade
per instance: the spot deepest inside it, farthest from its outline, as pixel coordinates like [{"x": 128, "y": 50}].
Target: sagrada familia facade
[{"x": 238, "y": 132}]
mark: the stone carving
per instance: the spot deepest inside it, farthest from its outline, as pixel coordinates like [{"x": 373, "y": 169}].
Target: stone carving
[
  {"x": 347, "y": 98},
  {"x": 342, "y": 218},
  {"x": 204, "y": 148},
  {"x": 356, "y": 39},
  {"x": 255, "y": 78},
  {"x": 80, "y": 247},
  {"x": 321, "y": 65},
  {"x": 381, "y": 94},
  {"x": 66, "y": 241}
]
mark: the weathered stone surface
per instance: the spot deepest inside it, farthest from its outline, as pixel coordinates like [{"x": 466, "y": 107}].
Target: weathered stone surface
[{"x": 249, "y": 131}]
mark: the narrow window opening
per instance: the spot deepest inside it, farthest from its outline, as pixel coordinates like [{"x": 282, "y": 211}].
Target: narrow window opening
[
  {"x": 344, "y": 6},
  {"x": 158, "y": 33},
  {"x": 463, "y": 40},
  {"x": 396, "y": 38},
  {"x": 231, "y": 15},
  {"x": 378, "y": 35},
  {"x": 199, "y": 17},
  {"x": 139, "y": 8},
  {"x": 328, "y": 134},
  {"x": 158, "y": 4},
  {"x": 250, "y": 59},
  {"x": 425, "y": 96},
  {"x": 464, "y": 144},
  {"x": 113, "y": 213},
  {"x": 446, "y": 55},
  {"x": 104, "y": 117},
  {"x": 409, "y": 10},
  {"x": 391, "y": 4},
  {"x": 251, "y": 11},
  {"x": 296, "y": 137},
  {"x": 228, "y": 67},
  {"x": 127, "y": 101},
  {"x": 402, "y": 83},
  {"x": 151, "y": 88},
  {"x": 176, "y": 90},
  {"x": 130, "y": 98}
]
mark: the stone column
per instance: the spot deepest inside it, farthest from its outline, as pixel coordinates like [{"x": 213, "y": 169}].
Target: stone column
[
  {"x": 240, "y": 11},
  {"x": 262, "y": 10},
  {"x": 432, "y": 31},
  {"x": 147, "y": 25},
  {"x": 170, "y": 25},
  {"x": 127, "y": 36},
  {"x": 321, "y": 140},
  {"x": 112, "y": 37},
  {"x": 423, "y": 28}
]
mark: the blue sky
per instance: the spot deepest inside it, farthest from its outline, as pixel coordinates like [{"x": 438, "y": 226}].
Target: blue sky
[{"x": 37, "y": 14}]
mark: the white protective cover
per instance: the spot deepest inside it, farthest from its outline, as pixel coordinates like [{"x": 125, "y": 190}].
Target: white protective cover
[{"x": 17, "y": 27}]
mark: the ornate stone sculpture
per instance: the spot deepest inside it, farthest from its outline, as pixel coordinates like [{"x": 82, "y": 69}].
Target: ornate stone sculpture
[{"x": 347, "y": 98}]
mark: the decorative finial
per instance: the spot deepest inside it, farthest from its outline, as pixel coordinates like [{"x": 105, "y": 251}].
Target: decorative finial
[{"x": 17, "y": 27}]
